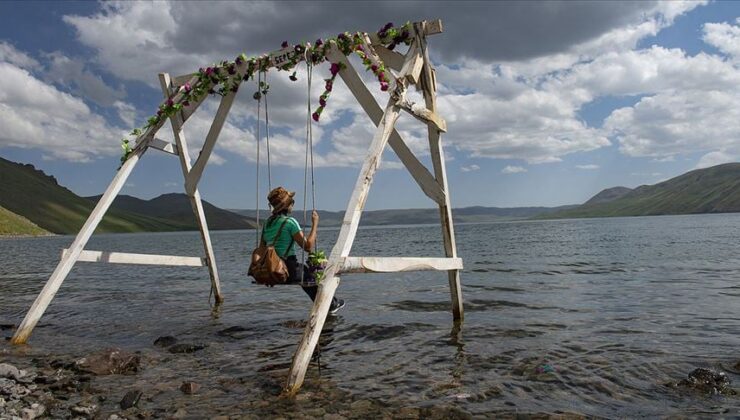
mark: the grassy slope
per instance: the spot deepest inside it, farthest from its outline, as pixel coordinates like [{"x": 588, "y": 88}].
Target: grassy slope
[
  {"x": 37, "y": 197},
  {"x": 13, "y": 225},
  {"x": 710, "y": 190}
]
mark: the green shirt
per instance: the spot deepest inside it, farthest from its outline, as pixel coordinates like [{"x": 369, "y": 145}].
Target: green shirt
[{"x": 286, "y": 235}]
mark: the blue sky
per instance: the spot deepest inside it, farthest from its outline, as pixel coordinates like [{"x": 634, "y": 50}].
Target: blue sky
[{"x": 546, "y": 103}]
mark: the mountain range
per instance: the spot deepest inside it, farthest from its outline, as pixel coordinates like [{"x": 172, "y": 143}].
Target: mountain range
[{"x": 33, "y": 203}]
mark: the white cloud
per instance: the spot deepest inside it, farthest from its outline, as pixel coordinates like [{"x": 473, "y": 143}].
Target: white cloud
[
  {"x": 724, "y": 36},
  {"x": 72, "y": 74},
  {"x": 716, "y": 158},
  {"x": 34, "y": 114},
  {"x": 513, "y": 170},
  {"x": 470, "y": 168},
  {"x": 9, "y": 54},
  {"x": 588, "y": 167},
  {"x": 126, "y": 112}
]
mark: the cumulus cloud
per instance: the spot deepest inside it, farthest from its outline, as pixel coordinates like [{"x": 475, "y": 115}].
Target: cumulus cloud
[
  {"x": 9, "y": 54},
  {"x": 470, "y": 168},
  {"x": 73, "y": 74},
  {"x": 34, "y": 114},
  {"x": 588, "y": 167},
  {"x": 716, "y": 158},
  {"x": 509, "y": 169},
  {"x": 724, "y": 36}
]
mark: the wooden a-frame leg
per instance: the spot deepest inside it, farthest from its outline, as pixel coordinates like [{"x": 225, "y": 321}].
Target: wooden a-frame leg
[
  {"x": 70, "y": 257},
  {"x": 341, "y": 249},
  {"x": 440, "y": 172},
  {"x": 195, "y": 201}
]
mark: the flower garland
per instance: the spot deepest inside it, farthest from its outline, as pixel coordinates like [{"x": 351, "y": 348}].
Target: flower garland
[
  {"x": 224, "y": 77},
  {"x": 316, "y": 263}
]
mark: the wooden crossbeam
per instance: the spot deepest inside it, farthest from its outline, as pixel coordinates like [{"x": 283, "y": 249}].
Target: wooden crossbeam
[
  {"x": 418, "y": 171},
  {"x": 164, "y": 146},
  {"x": 413, "y": 63},
  {"x": 390, "y": 58},
  {"x": 396, "y": 264},
  {"x": 196, "y": 171},
  {"x": 145, "y": 259},
  {"x": 424, "y": 115}
]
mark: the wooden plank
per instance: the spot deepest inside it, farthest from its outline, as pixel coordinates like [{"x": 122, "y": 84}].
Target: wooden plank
[
  {"x": 418, "y": 171},
  {"x": 424, "y": 115},
  {"x": 145, "y": 259},
  {"x": 413, "y": 63},
  {"x": 164, "y": 146},
  {"x": 341, "y": 249},
  {"x": 67, "y": 262},
  {"x": 440, "y": 172},
  {"x": 432, "y": 27},
  {"x": 178, "y": 81},
  {"x": 390, "y": 58},
  {"x": 191, "y": 181},
  {"x": 195, "y": 201},
  {"x": 397, "y": 264}
]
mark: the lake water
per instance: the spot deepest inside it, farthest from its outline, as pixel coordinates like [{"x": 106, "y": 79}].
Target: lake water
[{"x": 569, "y": 316}]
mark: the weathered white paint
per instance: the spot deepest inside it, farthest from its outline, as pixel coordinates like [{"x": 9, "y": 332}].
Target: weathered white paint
[
  {"x": 397, "y": 264},
  {"x": 195, "y": 201},
  {"x": 164, "y": 146},
  {"x": 145, "y": 259}
]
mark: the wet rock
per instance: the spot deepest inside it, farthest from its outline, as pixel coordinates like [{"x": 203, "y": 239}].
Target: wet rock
[
  {"x": 108, "y": 362},
  {"x": 189, "y": 387},
  {"x": 84, "y": 409},
  {"x": 232, "y": 332},
  {"x": 706, "y": 381},
  {"x": 409, "y": 413},
  {"x": 11, "y": 372},
  {"x": 131, "y": 399},
  {"x": 737, "y": 366},
  {"x": 36, "y": 410},
  {"x": 165, "y": 341},
  {"x": 361, "y": 405},
  {"x": 186, "y": 348},
  {"x": 179, "y": 414}
]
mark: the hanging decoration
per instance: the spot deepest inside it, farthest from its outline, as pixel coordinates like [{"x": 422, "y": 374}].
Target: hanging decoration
[{"x": 223, "y": 78}]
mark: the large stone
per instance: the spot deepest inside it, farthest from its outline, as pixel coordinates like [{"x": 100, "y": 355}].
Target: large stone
[
  {"x": 109, "y": 362},
  {"x": 131, "y": 399},
  {"x": 84, "y": 409},
  {"x": 36, "y": 410},
  {"x": 186, "y": 348},
  {"x": 165, "y": 341},
  {"x": 706, "y": 381}
]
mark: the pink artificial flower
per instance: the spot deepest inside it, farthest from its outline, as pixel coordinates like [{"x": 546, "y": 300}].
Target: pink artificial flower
[
  {"x": 187, "y": 87},
  {"x": 383, "y": 86},
  {"x": 328, "y": 86}
]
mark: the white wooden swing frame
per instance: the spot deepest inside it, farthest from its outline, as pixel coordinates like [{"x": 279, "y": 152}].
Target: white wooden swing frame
[{"x": 413, "y": 68}]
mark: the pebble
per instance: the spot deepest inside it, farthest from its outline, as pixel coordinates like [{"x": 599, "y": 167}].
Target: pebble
[
  {"x": 84, "y": 409},
  {"x": 361, "y": 405},
  {"x": 36, "y": 410},
  {"x": 131, "y": 399},
  {"x": 189, "y": 387},
  {"x": 165, "y": 341}
]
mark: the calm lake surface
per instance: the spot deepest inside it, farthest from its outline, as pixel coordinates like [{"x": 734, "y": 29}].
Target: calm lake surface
[{"x": 569, "y": 316}]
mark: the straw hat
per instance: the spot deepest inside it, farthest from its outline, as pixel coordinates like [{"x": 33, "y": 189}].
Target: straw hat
[{"x": 280, "y": 199}]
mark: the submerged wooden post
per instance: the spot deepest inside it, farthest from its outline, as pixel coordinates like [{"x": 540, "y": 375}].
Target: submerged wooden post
[
  {"x": 68, "y": 260},
  {"x": 429, "y": 87},
  {"x": 195, "y": 201}
]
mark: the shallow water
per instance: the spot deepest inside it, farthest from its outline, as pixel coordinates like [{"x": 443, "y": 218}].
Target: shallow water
[{"x": 573, "y": 316}]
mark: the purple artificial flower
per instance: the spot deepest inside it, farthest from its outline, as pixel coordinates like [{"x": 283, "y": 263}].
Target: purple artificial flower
[
  {"x": 328, "y": 86},
  {"x": 381, "y": 76},
  {"x": 315, "y": 116},
  {"x": 322, "y": 102},
  {"x": 382, "y": 34},
  {"x": 342, "y": 36},
  {"x": 391, "y": 46},
  {"x": 284, "y": 44},
  {"x": 319, "y": 42},
  {"x": 187, "y": 87},
  {"x": 388, "y": 26},
  {"x": 186, "y": 103},
  {"x": 239, "y": 60},
  {"x": 159, "y": 112},
  {"x": 209, "y": 71},
  {"x": 404, "y": 34},
  {"x": 170, "y": 102},
  {"x": 299, "y": 48},
  {"x": 383, "y": 86},
  {"x": 334, "y": 69},
  {"x": 374, "y": 68},
  {"x": 232, "y": 69}
]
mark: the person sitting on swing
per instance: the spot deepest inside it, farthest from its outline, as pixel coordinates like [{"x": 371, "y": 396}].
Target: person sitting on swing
[{"x": 282, "y": 202}]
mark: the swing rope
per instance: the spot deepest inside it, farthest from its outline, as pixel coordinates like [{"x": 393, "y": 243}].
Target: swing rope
[
  {"x": 308, "y": 159},
  {"x": 257, "y": 188},
  {"x": 267, "y": 134}
]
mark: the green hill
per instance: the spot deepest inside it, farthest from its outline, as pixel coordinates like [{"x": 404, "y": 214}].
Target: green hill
[
  {"x": 177, "y": 208},
  {"x": 709, "y": 190},
  {"x": 29, "y": 192},
  {"x": 13, "y": 225}
]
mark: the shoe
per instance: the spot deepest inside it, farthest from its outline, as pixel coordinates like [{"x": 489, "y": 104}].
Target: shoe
[{"x": 336, "y": 307}]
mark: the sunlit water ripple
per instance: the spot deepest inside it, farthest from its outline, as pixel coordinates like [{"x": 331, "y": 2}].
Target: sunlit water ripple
[{"x": 616, "y": 308}]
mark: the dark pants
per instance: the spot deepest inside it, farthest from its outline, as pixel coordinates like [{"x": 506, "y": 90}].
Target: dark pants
[{"x": 308, "y": 284}]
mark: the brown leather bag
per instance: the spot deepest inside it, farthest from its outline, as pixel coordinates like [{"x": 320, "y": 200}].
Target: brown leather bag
[{"x": 267, "y": 267}]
